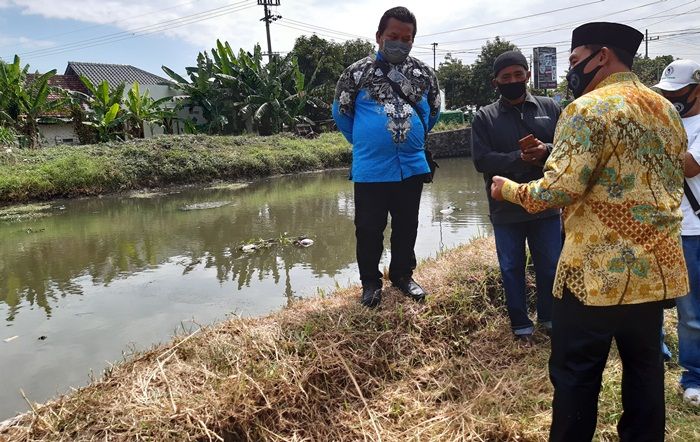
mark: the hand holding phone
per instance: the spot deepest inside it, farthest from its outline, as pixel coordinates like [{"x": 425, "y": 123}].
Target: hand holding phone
[{"x": 527, "y": 142}]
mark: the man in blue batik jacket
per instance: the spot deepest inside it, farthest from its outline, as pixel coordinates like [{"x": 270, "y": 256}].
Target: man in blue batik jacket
[{"x": 388, "y": 150}]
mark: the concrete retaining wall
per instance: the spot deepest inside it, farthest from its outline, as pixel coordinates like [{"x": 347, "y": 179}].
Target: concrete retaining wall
[{"x": 452, "y": 143}]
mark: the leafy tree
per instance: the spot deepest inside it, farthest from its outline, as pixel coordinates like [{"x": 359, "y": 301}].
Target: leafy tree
[
  {"x": 455, "y": 78},
  {"x": 483, "y": 92},
  {"x": 649, "y": 70},
  {"x": 327, "y": 60}
]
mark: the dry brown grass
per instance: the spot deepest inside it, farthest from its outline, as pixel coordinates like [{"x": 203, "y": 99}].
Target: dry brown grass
[{"x": 328, "y": 369}]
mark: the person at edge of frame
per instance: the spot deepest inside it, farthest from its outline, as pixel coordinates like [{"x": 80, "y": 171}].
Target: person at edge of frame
[
  {"x": 679, "y": 85},
  {"x": 616, "y": 168}
]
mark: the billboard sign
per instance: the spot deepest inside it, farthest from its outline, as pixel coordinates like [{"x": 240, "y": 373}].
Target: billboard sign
[{"x": 544, "y": 68}]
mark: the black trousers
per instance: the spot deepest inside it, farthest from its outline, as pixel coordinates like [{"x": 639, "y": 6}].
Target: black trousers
[
  {"x": 581, "y": 339},
  {"x": 373, "y": 202}
]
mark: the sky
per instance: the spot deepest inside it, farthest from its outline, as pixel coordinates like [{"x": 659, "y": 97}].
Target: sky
[{"x": 150, "y": 34}]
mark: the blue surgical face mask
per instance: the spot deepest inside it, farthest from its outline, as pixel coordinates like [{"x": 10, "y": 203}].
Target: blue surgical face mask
[{"x": 395, "y": 51}]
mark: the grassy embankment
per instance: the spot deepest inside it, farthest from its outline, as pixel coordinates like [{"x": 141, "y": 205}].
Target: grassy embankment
[
  {"x": 69, "y": 171},
  {"x": 328, "y": 369}
]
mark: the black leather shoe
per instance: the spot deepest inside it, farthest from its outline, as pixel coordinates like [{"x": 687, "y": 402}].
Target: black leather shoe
[
  {"x": 371, "y": 296},
  {"x": 410, "y": 288}
]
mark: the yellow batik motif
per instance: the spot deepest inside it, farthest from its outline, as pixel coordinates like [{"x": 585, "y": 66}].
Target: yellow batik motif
[{"x": 617, "y": 169}]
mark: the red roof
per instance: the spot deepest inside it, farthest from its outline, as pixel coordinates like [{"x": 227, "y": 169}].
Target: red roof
[{"x": 67, "y": 82}]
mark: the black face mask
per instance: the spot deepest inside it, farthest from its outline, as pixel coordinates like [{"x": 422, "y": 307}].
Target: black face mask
[
  {"x": 681, "y": 103},
  {"x": 577, "y": 80},
  {"x": 511, "y": 91}
]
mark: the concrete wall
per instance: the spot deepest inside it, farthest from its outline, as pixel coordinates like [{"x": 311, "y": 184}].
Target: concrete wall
[
  {"x": 451, "y": 143},
  {"x": 60, "y": 133}
]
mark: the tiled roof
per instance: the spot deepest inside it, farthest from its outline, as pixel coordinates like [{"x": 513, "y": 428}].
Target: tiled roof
[
  {"x": 115, "y": 74},
  {"x": 67, "y": 82}
]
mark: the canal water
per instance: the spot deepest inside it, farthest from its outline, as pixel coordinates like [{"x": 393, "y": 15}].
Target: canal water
[{"x": 101, "y": 277}]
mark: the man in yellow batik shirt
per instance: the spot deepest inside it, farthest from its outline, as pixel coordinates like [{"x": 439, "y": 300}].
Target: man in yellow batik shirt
[{"x": 617, "y": 169}]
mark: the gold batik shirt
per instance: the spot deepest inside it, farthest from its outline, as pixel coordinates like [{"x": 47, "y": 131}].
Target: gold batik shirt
[{"x": 617, "y": 168}]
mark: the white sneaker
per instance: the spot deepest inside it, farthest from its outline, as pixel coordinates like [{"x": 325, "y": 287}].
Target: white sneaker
[{"x": 692, "y": 396}]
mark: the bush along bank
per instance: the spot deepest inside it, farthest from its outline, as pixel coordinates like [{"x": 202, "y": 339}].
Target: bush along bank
[
  {"x": 328, "y": 369},
  {"x": 70, "y": 171}
]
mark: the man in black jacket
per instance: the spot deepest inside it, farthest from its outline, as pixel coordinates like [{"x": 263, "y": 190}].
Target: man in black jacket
[{"x": 512, "y": 137}]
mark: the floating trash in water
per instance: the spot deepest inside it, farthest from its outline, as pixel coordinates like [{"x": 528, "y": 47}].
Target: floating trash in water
[
  {"x": 249, "y": 248},
  {"x": 304, "y": 242},
  {"x": 228, "y": 186},
  {"x": 11, "y": 339},
  {"x": 301, "y": 241},
  {"x": 30, "y": 230},
  {"x": 448, "y": 210},
  {"x": 205, "y": 206},
  {"x": 141, "y": 194},
  {"x": 42, "y": 338}
]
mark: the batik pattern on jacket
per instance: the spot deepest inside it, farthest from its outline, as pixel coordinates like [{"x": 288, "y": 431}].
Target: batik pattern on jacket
[
  {"x": 388, "y": 137},
  {"x": 617, "y": 168}
]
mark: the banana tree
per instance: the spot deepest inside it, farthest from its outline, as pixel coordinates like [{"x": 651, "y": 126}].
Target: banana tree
[
  {"x": 25, "y": 100},
  {"x": 263, "y": 92},
  {"x": 142, "y": 109},
  {"x": 203, "y": 90},
  {"x": 302, "y": 97},
  {"x": 108, "y": 125},
  {"x": 13, "y": 78},
  {"x": 36, "y": 105},
  {"x": 97, "y": 107}
]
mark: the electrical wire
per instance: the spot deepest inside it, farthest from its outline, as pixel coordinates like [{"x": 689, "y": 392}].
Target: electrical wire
[
  {"x": 514, "y": 19},
  {"x": 165, "y": 25}
]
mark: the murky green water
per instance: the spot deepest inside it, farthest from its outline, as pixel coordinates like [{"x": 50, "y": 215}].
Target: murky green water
[{"x": 106, "y": 275}]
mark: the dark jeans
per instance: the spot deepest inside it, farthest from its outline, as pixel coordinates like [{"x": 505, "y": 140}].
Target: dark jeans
[
  {"x": 581, "y": 339},
  {"x": 544, "y": 241},
  {"x": 373, "y": 202}
]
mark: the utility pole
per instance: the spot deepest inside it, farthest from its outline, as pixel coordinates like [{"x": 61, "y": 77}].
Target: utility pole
[
  {"x": 646, "y": 42},
  {"x": 269, "y": 18},
  {"x": 434, "y": 46}
]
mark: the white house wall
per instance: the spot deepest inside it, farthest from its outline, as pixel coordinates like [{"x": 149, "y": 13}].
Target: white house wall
[{"x": 61, "y": 133}]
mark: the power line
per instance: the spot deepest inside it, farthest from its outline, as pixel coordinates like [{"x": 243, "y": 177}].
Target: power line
[
  {"x": 269, "y": 18},
  {"x": 667, "y": 19},
  {"x": 513, "y": 19},
  {"x": 143, "y": 30}
]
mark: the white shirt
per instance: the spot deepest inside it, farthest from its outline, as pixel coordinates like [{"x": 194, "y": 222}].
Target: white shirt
[{"x": 691, "y": 222}]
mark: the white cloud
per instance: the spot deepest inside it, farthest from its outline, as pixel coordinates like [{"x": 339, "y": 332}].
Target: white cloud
[{"x": 26, "y": 43}]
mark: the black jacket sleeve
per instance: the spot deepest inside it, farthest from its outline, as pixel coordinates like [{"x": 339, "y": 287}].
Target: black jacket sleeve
[{"x": 486, "y": 159}]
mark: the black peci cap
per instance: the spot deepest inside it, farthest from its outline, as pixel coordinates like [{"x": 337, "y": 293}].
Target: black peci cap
[
  {"x": 607, "y": 34},
  {"x": 509, "y": 58}
]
